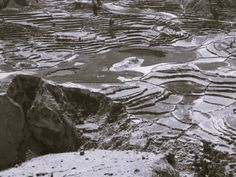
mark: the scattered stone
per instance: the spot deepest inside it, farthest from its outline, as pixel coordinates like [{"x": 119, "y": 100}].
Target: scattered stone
[
  {"x": 82, "y": 153},
  {"x": 108, "y": 174},
  {"x": 41, "y": 174}
]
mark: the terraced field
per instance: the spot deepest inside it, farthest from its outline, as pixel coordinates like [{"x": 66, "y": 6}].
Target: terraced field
[{"x": 175, "y": 74}]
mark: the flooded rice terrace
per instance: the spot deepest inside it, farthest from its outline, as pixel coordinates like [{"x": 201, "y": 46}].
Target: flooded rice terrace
[
  {"x": 175, "y": 72},
  {"x": 65, "y": 41}
]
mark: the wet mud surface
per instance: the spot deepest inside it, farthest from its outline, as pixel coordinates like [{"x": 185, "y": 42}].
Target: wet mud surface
[{"x": 175, "y": 73}]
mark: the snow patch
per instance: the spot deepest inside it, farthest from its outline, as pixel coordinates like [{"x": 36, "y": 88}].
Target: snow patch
[{"x": 97, "y": 163}]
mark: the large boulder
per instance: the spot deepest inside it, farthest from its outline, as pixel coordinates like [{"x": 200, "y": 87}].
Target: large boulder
[
  {"x": 11, "y": 131},
  {"x": 54, "y": 113}
]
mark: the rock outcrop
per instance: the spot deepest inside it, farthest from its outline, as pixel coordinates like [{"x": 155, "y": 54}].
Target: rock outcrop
[
  {"x": 54, "y": 117},
  {"x": 11, "y": 131}
]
